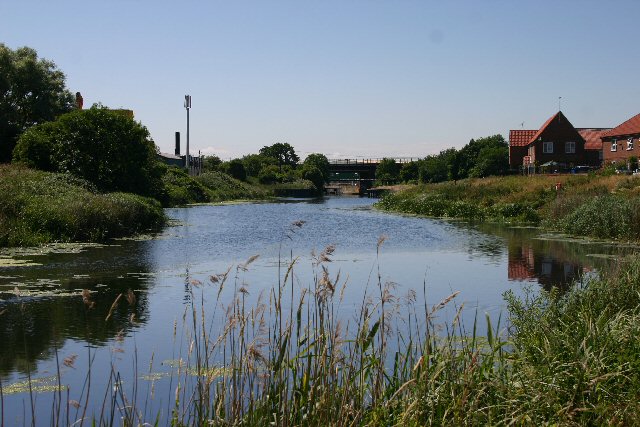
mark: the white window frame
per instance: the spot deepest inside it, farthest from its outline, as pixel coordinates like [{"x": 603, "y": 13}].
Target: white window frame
[
  {"x": 614, "y": 145},
  {"x": 629, "y": 144},
  {"x": 570, "y": 147},
  {"x": 547, "y": 147}
]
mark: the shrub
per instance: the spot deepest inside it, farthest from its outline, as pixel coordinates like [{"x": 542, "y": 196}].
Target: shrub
[
  {"x": 39, "y": 207},
  {"x": 220, "y": 187},
  {"x": 181, "y": 189},
  {"x": 105, "y": 147}
]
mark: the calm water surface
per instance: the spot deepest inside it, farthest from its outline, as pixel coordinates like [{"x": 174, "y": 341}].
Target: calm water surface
[{"x": 432, "y": 257}]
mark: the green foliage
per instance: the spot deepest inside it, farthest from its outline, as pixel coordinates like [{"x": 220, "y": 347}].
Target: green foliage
[
  {"x": 482, "y": 157},
  {"x": 102, "y": 146},
  {"x": 254, "y": 163},
  {"x": 268, "y": 175},
  {"x": 608, "y": 216},
  {"x": 387, "y": 171},
  {"x": 283, "y": 153},
  {"x": 39, "y": 207},
  {"x": 319, "y": 161},
  {"x": 211, "y": 163},
  {"x": 181, "y": 189},
  {"x": 32, "y": 91},
  {"x": 410, "y": 172},
  {"x": 437, "y": 168},
  {"x": 236, "y": 169},
  {"x": 313, "y": 174},
  {"x": 220, "y": 187},
  {"x": 491, "y": 161}
]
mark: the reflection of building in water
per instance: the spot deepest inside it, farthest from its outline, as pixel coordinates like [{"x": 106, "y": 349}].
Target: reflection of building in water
[{"x": 527, "y": 265}]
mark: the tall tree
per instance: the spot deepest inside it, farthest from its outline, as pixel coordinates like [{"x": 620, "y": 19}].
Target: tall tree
[
  {"x": 321, "y": 162},
  {"x": 387, "y": 171},
  {"x": 282, "y": 152},
  {"x": 32, "y": 91}
]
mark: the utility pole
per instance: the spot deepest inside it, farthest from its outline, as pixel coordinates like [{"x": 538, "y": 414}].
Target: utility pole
[{"x": 187, "y": 106}]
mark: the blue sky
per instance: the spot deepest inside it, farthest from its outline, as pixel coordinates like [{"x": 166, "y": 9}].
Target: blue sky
[{"x": 344, "y": 78}]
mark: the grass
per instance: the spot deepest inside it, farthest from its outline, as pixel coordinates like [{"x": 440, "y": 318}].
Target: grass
[
  {"x": 290, "y": 359},
  {"x": 39, "y": 207},
  {"x": 585, "y": 205},
  {"x": 221, "y": 187}
]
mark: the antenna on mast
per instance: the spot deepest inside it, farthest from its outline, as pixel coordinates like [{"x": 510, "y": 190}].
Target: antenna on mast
[{"x": 559, "y": 103}]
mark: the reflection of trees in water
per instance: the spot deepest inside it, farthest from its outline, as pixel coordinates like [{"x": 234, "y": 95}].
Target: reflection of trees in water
[
  {"x": 32, "y": 327},
  {"x": 550, "y": 262}
]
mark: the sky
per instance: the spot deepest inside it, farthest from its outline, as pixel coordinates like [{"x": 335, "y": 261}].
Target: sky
[{"x": 344, "y": 78}]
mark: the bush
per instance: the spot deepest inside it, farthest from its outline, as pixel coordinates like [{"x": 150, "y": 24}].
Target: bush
[
  {"x": 105, "y": 147},
  {"x": 181, "y": 189},
  {"x": 607, "y": 216},
  {"x": 220, "y": 187},
  {"x": 39, "y": 207},
  {"x": 235, "y": 168}
]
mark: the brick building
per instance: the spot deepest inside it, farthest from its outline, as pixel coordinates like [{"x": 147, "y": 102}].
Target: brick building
[
  {"x": 621, "y": 142},
  {"x": 556, "y": 143}
]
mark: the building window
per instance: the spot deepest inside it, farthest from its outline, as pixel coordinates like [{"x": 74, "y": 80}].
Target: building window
[
  {"x": 547, "y": 147},
  {"x": 569, "y": 147},
  {"x": 614, "y": 145},
  {"x": 630, "y": 144}
]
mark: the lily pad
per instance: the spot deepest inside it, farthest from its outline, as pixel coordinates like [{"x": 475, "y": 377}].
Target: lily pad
[
  {"x": 38, "y": 385},
  {"x": 11, "y": 262}
]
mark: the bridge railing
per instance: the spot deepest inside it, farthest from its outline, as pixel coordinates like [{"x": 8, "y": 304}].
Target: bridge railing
[{"x": 371, "y": 161}]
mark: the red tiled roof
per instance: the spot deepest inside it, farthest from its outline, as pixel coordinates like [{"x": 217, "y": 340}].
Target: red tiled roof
[
  {"x": 520, "y": 138},
  {"x": 592, "y": 137},
  {"x": 630, "y": 127},
  {"x": 544, "y": 126}
]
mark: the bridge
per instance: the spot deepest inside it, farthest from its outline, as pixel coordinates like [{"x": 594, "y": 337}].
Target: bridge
[{"x": 355, "y": 176}]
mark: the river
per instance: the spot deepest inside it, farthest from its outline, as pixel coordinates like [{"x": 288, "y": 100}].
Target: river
[{"x": 45, "y": 326}]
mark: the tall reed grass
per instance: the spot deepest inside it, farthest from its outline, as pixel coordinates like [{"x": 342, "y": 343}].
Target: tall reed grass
[{"x": 291, "y": 359}]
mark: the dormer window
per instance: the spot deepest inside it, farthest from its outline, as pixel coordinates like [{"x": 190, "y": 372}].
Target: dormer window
[
  {"x": 614, "y": 145},
  {"x": 630, "y": 144},
  {"x": 570, "y": 147},
  {"x": 547, "y": 147}
]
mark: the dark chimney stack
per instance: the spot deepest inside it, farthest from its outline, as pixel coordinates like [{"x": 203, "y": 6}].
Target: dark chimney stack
[{"x": 177, "y": 143}]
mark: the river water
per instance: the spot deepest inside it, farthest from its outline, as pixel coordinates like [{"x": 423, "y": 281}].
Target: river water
[{"x": 46, "y": 329}]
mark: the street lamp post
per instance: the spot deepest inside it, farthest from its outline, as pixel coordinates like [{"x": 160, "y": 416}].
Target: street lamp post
[{"x": 187, "y": 106}]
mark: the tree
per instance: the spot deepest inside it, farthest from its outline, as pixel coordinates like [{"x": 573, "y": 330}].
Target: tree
[
  {"x": 236, "y": 169},
  {"x": 104, "y": 147},
  {"x": 254, "y": 163},
  {"x": 211, "y": 163},
  {"x": 32, "y": 91},
  {"x": 321, "y": 162},
  {"x": 282, "y": 152},
  {"x": 409, "y": 172},
  {"x": 467, "y": 157},
  {"x": 313, "y": 174},
  {"x": 387, "y": 170},
  {"x": 438, "y": 168},
  {"x": 491, "y": 161},
  {"x": 268, "y": 175}
]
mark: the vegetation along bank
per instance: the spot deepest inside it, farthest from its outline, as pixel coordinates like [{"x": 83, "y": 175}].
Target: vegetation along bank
[
  {"x": 593, "y": 205},
  {"x": 39, "y": 207}
]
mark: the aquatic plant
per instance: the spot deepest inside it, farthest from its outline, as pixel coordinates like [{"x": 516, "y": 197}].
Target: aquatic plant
[{"x": 289, "y": 358}]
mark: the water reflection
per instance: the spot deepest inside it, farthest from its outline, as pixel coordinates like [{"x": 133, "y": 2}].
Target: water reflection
[
  {"x": 47, "y": 309},
  {"x": 548, "y": 260}
]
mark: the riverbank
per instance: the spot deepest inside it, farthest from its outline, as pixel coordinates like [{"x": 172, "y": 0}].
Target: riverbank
[
  {"x": 584, "y": 205},
  {"x": 40, "y": 207}
]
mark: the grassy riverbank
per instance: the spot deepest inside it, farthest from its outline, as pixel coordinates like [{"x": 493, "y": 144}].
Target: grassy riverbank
[
  {"x": 39, "y": 207},
  {"x": 290, "y": 359},
  {"x": 586, "y": 205}
]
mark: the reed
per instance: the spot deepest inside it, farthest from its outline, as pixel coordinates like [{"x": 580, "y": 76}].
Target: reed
[{"x": 290, "y": 358}]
